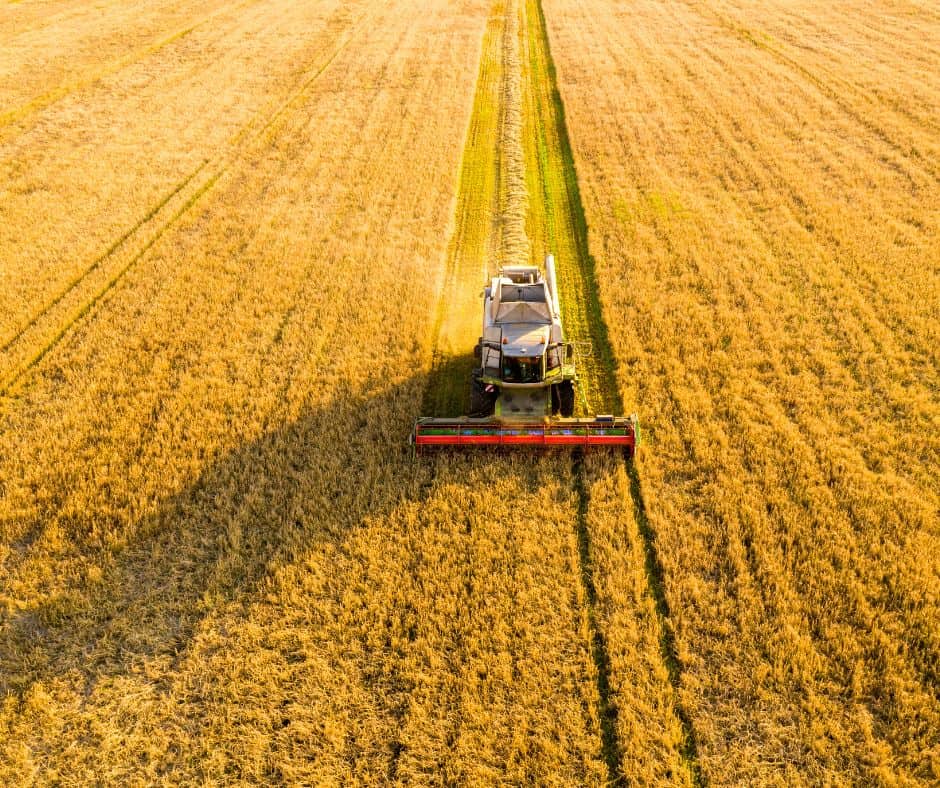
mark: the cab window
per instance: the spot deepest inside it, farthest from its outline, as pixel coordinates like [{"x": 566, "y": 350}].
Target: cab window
[{"x": 522, "y": 369}]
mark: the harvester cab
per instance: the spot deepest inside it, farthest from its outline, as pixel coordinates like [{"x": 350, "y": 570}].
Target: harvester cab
[{"x": 522, "y": 389}]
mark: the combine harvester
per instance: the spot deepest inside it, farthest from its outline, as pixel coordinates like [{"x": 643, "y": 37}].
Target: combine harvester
[{"x": 523, "y": 391}]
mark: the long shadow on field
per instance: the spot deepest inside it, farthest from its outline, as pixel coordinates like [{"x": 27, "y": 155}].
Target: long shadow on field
[
  {"x": 299, "y": 485},
  {"x": 195, "y": 578},
  {"x": 448, "y": 390}
]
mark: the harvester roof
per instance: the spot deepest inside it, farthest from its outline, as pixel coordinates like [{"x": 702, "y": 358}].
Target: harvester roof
[{"x": 521, "y": 303}]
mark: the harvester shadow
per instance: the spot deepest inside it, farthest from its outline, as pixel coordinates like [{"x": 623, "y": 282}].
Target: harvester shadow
[
  {"x": 448, "y": 390},
  {"x": 296, "y": 487},
  {"x": 300, "y": 487},
  {"x": 211, "y": 551}
]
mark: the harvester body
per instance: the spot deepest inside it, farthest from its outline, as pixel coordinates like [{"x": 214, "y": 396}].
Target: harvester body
[
  {"x": 522, "y": 391},
  {"x": 526, "y": 368}
]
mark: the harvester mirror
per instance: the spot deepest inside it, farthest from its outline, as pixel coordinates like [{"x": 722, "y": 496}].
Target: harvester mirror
[{"x": 569, "y": 352}]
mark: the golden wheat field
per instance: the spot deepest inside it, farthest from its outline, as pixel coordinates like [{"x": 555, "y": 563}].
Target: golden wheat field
[{"x": 242, "y": 246}]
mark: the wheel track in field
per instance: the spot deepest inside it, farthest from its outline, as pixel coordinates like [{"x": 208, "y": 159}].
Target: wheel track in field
[
  {"x": 70, "y": 86},
  {"x": 230, "y": 145},
  {"x": 102, "y": 258},
  {"x": 494, "y": 177},
  {"x": 834, "y": 89},
  {"x": 553, "y": 221},
  {"x": 214, "y": 168},
  {"x": 565, "y": 231}
]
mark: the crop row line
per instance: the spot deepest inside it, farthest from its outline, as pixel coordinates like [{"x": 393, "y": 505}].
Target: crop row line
[
  {"x": 222, "y": 163},
  {"x": 906, "y": 151},
  {"x": 115, "y": 66}
]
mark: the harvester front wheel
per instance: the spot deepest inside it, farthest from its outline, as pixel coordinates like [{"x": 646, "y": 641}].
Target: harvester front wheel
[
  {"x": 563, "y": 399},
  {"x": 482, "y": 402}
]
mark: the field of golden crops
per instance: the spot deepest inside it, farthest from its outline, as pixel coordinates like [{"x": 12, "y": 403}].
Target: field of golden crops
[{"x": 241, "y": 250}]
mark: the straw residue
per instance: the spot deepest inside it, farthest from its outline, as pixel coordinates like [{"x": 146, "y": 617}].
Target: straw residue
[{"x": 514, "y": 243}]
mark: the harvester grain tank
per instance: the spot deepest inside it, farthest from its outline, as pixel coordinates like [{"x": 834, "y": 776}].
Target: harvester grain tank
[{"x": 522, "y": 391}]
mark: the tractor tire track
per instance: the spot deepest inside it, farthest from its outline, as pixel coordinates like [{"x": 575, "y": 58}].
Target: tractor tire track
[
  {"x": 566, "y": 228},
  {"x": 238, "y": 146},
  {"x": 519, "y": 158},
  {"x": 905, "y": 150},
  {"x": 233, "y": 142},
  {"x": 10, "y": 383},
  {"x": 611, "y": 746},
  {"x": 271, "y": 117},
  {"x": 554, "y": 213},
  {"x": 67, "y": 88},
  {"x": 491, "y": 218},
  {"x": 96, "y": 264}
]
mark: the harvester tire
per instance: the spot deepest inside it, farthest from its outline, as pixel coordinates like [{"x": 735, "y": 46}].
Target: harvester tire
[
  {"x": 482, "y": 402},
  {"x": 563, "y": 396}
]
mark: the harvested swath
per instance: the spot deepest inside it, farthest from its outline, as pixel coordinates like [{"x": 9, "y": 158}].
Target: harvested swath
[
  {"x": 491, "y": 214},
  {"x": 474, "y": 247},
  {"x": 646, "y": 735},
  {"x": 633, "y": 721},
  {"x": 514, "y": 244}
]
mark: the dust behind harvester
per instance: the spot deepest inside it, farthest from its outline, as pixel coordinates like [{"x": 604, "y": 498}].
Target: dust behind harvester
[{"x": 523, "y": 389}]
